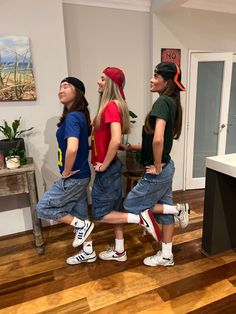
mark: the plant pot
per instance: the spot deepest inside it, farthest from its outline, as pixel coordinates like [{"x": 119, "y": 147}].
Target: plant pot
[
  {"x": 12, "y": 162},
  {"x": 132, "y": 164},
  {"x": 6, "y": 145}
]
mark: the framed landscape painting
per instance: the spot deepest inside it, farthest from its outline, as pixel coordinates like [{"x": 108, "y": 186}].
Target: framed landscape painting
[{"x": 16, "y": 70}]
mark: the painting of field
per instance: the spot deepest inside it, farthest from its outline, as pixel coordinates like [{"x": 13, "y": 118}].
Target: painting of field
[{"x": 16, "y": 71}]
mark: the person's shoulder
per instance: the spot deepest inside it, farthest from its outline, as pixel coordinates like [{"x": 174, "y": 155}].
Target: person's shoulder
[
  {"x": 111, "y": 103},
  {"x": 75, "y": 115},
  {"x": 112, "y": 106},
  {"x": 164, "y": 98}
]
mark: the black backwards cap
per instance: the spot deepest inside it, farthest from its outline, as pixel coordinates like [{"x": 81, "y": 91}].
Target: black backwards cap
[
  {"x": 75, "y": 82},
  {"x": 170, "y": 71}
]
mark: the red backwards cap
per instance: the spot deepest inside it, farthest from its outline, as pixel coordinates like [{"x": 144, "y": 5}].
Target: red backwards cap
[{"x": 117, "y": 76}]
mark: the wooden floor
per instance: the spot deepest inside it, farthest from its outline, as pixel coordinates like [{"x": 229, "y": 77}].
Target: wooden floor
[{"x": 45, "y": 284}]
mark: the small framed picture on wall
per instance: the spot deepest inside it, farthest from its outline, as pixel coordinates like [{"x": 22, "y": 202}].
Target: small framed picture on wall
[{"x": 171, "y": 55}]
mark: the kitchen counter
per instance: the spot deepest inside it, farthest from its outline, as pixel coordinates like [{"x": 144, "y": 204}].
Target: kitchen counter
[
  {"x": 219, "y": 220},
  {"x": 223, "y": 163}
]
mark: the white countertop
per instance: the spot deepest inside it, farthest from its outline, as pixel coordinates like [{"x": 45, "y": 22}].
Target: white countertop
[{"x": 223, "y": 163}]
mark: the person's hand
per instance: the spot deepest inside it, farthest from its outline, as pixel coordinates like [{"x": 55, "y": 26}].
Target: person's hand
[
  {"x": 99, "y": 167},
  {"x": 125, "y": 147},
  {"x": 154, "y": 169},
  {"x": 66, "y": 175}
]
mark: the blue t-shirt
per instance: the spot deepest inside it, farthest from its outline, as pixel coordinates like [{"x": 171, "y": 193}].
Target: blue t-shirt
[{"x": 74, "y": 125}]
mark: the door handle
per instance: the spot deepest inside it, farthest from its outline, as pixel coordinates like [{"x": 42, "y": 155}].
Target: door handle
[{"x": 220, "y": 128}]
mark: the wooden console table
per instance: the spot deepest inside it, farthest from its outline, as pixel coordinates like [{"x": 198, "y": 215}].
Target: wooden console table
[
  {"x": 22, "y": 180},
  {"x": 132, "y": 180}
]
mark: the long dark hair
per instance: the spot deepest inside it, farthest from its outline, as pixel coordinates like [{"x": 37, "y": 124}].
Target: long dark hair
[
  {"x": 172, "y": 91},
  {"x": 80, "y": 104}
]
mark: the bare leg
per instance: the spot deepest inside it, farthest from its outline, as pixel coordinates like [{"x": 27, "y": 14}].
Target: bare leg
[
  {"x": 167, "y": 233},
  {"x": 158, "y": 209},
  {"x": 66, "y": 219},
  {"x": 89, "y": 238},
  {"x": 115, "y": 217},
  {"x": 119, "y": 234}
]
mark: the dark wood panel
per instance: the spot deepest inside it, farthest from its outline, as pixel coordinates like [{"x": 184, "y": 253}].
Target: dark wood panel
[{"x": 226, "y": 305}]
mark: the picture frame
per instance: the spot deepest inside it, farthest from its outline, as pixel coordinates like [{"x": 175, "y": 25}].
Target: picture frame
[{"x": 17, "y": 81}]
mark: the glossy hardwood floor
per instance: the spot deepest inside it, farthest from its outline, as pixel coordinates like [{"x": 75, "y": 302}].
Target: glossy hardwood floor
[{"x": 45, "y": 284}]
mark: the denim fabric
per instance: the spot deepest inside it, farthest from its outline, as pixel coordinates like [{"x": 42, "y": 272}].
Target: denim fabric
[
  {"x": 107, "y": 190},
  {"x": 66, "y": 196},
  {"x": 151, "y": 190}
]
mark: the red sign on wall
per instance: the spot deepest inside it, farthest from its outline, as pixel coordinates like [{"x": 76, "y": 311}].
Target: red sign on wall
[{"x": 171, "y": 55}]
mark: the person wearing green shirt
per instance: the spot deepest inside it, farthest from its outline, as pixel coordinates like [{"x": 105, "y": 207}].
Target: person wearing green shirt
[{"x": 154, "y": 191}]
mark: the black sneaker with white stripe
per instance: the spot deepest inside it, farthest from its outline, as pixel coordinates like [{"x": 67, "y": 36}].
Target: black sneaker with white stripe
[{"x": 82, "y": 257}]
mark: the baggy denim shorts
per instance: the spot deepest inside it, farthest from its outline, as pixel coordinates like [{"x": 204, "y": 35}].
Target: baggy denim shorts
[
  {"x": 66, "y": 196},
  {"x": 150, "y": 190},
  {"x": 107, "y": 190}
]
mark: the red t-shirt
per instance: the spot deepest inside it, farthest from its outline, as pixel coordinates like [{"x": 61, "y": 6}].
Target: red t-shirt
[{"x": 101, "y": 137}]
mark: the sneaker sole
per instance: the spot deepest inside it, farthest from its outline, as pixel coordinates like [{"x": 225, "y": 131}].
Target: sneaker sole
[
  {"x": 86, "y": 236},
  {"x": 91, "y": 260},
  {"x": 154, "y": 226},
  {"x": 169, "y": 265},
  {"x": 123, "y": 259},
  {"x": 188, "y": 211}
]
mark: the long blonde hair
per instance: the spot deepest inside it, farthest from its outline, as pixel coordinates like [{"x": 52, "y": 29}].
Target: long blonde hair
[{"x": 112, "y": 92}]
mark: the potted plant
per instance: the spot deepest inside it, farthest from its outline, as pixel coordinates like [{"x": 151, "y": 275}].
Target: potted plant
[
  {"x": 13, "y": 159},
  {"x": 13, "y": 139}
]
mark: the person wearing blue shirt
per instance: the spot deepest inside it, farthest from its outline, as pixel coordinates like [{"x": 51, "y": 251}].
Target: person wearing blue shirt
[{"x": 66, "y": 200}]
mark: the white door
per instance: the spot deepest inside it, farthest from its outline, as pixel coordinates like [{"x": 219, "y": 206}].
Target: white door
[{"x": 208, "y": 113}]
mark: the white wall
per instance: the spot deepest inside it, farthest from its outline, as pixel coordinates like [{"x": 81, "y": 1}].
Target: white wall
[
  {"x": 42, "y": 22},
  {"x": 101, "y": 37},
  {"x": 96, "y": 38},
  {"x": 190, "y": 29}
]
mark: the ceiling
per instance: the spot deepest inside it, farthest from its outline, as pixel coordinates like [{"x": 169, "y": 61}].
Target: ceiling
[{"x": 224, "y": 6}]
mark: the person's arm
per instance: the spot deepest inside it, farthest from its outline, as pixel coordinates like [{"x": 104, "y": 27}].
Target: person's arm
[
  {"x": 131, "y": 147},
  {"x": 71, "y": 152},
  {"x": 112, "y": 148},
  {"x": 157, "y": 146}
]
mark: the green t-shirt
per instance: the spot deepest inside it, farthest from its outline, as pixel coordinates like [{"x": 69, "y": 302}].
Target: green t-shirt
[{"x": 163, "y": 108}]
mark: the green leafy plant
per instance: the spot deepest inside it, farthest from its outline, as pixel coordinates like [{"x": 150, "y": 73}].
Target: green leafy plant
[
  {"x": 12, "y": 132},
  {"x": 18, "y": 152},
  {"x": 133, "y": 116},
  {"x": 136, "y": 154}
]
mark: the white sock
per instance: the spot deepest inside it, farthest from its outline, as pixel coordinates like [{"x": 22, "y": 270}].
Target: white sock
[
  {"x": 76, "y": 222},
  {"x": 119, "y": 245},
  {"x": 88, "y": 247},
  {"x": 170, "y": 209},
  {"x": 133, "y": 219},
  {"x": 166, "y": 249}
]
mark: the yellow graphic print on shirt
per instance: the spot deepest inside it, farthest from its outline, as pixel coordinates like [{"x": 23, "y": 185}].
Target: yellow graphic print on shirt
[
  {"x": 60, "y": 163},
  {"x": 93, "y": 142}
]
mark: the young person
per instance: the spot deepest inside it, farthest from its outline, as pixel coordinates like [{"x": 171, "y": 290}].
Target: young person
[
  {"x": 163, "y": 124},
  {"x": 66, "y": 200},
  {"x": 111, "y": 121}
]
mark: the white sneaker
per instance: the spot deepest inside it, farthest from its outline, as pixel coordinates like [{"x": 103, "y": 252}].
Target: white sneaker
[
  {"x": 148, "y": 222},
  {"x": 82, "y": 257},
  {"x": 158, "y": 259},
  {"x": 183, "y": 216},
  {"x": 111, "y": 255},
  {"x": 81, "y": 234}
]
